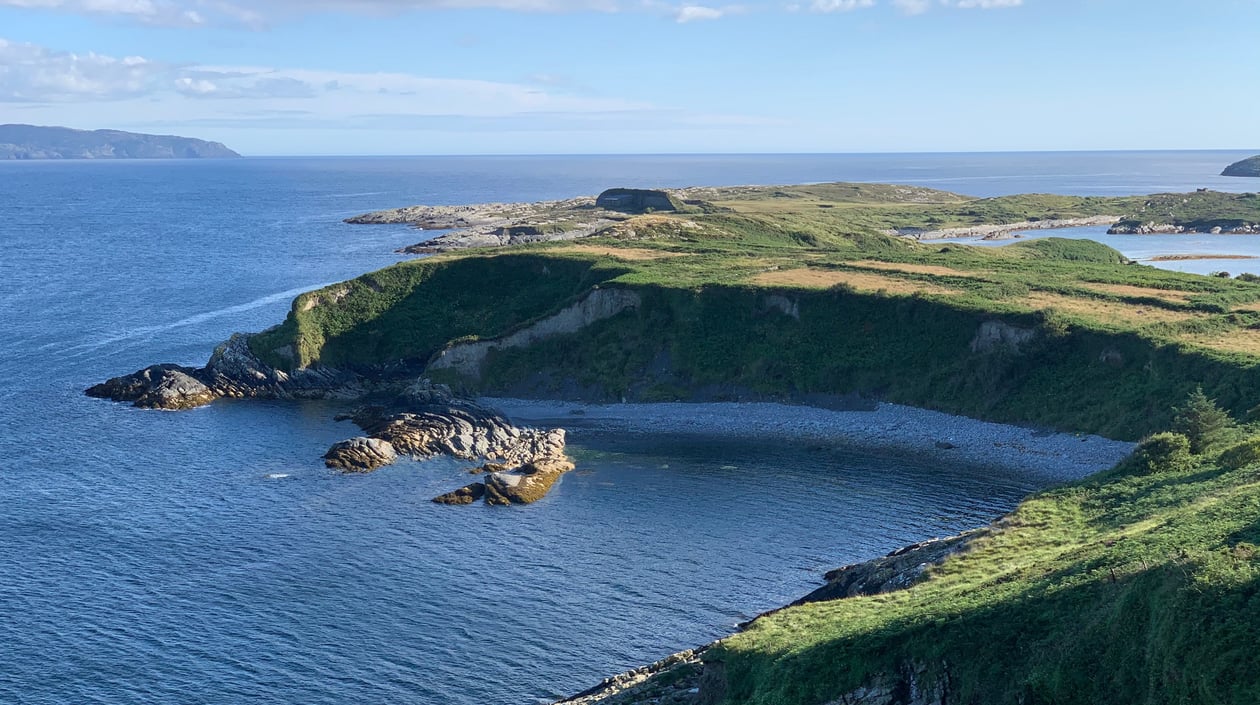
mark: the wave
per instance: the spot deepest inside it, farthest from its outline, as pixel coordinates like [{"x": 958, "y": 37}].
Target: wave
[{"x": 147, "y": 332}]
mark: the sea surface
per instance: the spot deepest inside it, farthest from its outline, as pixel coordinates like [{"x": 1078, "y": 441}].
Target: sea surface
[{"x": 208, "y": 556}]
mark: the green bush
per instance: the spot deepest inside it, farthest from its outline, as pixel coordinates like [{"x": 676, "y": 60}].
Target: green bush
[
  {"x": 1241, "y": 455},
  {"x": 1160, "y": 453},
  {"x": 1203, "y": 422}
]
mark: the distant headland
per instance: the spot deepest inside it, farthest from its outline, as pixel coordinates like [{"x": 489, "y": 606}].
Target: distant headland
[
  {"x": 36, "y": 142},
  {"x": 1247, "y": 167}
]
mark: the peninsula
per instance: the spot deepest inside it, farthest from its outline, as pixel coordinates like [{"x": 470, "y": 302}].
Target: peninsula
[
  {"x": 1247, "y": 167},
  {"x": 36, "y": 142},
  {"x": 1136, "y": 585}
]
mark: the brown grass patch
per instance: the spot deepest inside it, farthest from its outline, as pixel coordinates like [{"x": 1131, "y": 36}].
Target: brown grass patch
[
  {"x": 631, "y": 254},
  {"x": 932, "y": 269},
  {"x": 1106, "y": 311},
  {"x": 1245, "y": 341},
  {"x": 1172, "y": 295},
  {"x": 862, "y": 281}
]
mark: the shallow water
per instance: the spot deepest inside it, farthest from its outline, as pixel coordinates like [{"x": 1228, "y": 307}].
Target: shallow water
[{"x": 208, "y": 557}]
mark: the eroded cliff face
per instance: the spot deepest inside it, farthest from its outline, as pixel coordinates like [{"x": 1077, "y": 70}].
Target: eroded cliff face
[{"x": 466, "y": 358}]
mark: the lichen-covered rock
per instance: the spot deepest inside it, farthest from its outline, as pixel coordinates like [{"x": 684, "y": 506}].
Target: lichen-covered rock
[{"x": 360, "y": 454}]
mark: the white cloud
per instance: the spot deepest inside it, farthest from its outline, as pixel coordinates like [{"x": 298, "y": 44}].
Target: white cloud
[
  {"x": 913, "y": 7},
  {"x": 828, "y": 6},
  {"x": 691, "y": 13},
  {"x": 986, "y": 4}
]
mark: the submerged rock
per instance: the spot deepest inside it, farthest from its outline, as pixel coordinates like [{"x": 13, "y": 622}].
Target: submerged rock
[{"x": 464, "y": 495}]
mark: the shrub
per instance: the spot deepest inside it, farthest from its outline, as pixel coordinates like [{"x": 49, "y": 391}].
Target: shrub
[
  {"x": 1203, "y": 422},
  {"x": 1241, "y": 455},
  {"x": 1160, "y": 453}
]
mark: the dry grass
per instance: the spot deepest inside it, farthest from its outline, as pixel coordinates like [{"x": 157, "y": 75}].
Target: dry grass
[
  {"x": 630, "y": 254},
  {"x": 1170, "y": 295},
  {"x": 1106, "y": 311},
  {"x": 862, "y": 281},
  {"x": 935, "y": 270},
  {"x": 1245, "y": 341}
]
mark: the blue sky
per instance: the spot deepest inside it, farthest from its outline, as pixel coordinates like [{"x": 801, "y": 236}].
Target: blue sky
[{"x": 641, "y": 76}]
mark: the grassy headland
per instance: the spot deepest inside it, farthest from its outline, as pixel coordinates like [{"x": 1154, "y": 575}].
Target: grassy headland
[{"x": 1138, "y": 586}]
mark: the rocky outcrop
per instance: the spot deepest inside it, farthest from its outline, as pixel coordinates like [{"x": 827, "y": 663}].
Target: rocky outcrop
[
  {"x": 1000, "y": 335},
  {"x": 466, "y": 358},
  {"x": 1003, "y": 231},
  {"x": 896, "y": 571},
  {"x": 1247, "y": 167},
  {"x": 688, "y": 678},
  {"x": 233, "y": 371},
  {"x": 1154, "y": 228},
  {"x": 169, "y": 387},
  {"x": 360, "y": 454},
  {"x": 428, "y": 420}
]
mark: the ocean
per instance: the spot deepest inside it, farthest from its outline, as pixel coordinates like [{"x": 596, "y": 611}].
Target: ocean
[{"x": 208, "y": 556}]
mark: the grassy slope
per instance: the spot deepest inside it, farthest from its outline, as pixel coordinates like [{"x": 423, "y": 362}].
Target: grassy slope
[
  {"x": 1125, "y": 588},
  {"x": 878, "y": 315}
]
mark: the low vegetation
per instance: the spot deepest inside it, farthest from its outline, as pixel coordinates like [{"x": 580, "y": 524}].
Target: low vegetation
[{"x": 1140, "y": 585}]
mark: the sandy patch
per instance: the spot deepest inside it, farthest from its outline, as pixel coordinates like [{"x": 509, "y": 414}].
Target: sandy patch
[
  {"x": 862, "y": 281},
  {"x": 632, "y": 254},
  {"x": 1106, "y": 311}
]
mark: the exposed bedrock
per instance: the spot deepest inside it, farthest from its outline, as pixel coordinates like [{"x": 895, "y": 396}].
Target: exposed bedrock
[
  {"x": 233, "y": 371},
  {"x": 428, "y": 420}
]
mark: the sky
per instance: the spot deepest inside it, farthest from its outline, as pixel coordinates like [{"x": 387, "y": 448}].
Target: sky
[{"x": 368, "y": 77}]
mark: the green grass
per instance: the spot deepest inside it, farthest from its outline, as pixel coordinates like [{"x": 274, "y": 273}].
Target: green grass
[{"x": 1125, "y": 588}]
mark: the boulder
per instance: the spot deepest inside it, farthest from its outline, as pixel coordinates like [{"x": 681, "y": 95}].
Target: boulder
[
  {"x": 360, "y": 454},
  {"x": 157, "y": 387}
]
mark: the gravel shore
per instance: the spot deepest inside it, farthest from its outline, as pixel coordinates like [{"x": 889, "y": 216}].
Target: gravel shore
[{"x": 888, "y": 427}]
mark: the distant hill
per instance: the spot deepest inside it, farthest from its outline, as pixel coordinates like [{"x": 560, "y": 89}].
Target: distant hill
[
  {"x": 35, "y": 142},
  {"x": 1247, "y": 167}
]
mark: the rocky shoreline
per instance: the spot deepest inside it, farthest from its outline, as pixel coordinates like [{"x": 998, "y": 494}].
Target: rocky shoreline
[
  {"x": 422, "y": 420},
  {"x": 1002, "y": 231}
]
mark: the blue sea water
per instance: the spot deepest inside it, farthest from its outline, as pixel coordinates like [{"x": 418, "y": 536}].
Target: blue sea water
[{"x": 208, "y": 557}]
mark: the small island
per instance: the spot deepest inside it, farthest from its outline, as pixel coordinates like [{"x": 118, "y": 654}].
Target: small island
[
  {"x": 37, "y": 142},
  {"x": 1247, "y": 167}
]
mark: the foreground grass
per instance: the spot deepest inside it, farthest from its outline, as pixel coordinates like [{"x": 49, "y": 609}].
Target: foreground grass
[{"x": 1131, "y": 587}]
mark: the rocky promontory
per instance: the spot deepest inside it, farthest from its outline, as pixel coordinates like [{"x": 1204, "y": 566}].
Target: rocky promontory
[
  {"x": 1247, "y": 167},
  {"x": 37, "y": 142},
  {"x": 422, "y": 421}
]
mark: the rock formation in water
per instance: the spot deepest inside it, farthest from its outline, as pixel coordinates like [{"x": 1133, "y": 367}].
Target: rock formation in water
[
  {"x": 1247, "y": 167},
  {"x": 424, "y": 420},
  {"x": 36, "y": 142}
]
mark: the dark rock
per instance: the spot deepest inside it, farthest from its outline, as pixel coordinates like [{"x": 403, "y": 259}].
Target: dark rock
[
  {"x": 360, "y": 454},
  {"x": 157, "y": 387},
  {"x": 464, "y": 495}
]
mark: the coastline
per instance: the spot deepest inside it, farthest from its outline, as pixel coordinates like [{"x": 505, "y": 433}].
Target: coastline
[{"x": 1055, "y": 456}]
